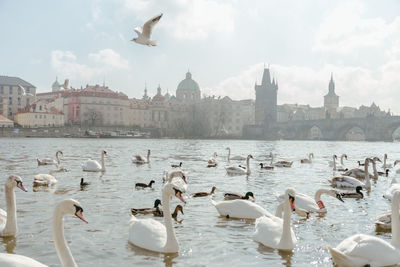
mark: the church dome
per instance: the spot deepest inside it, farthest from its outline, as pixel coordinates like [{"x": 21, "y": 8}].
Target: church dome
[
  {"x": 56, "y": 84},
  {"x": 188, "y": 83}
]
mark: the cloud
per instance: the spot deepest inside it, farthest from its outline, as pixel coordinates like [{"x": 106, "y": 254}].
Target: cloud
[
  {"x": 345, "y": 31},
  {"x": 186, "y": 19},
  {"x": 307, "y": 85},
  {"x": 65, "y": 63}
]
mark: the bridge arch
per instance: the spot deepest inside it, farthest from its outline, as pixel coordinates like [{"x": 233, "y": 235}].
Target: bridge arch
[
  {"x": 355, "y": 133},
  {"x": 396, "y": 134},
  {"x": 315, "y": 133}
]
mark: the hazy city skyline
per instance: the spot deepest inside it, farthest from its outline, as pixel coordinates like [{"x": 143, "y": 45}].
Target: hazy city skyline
[{"x": 224, "y": 44}]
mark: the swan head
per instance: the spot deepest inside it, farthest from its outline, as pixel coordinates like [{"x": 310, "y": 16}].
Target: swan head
[
  {"x": 213, "y": 189},
  {"x": 15, "y": 181},
  {"x": 385, "y": 156},
  {"x": 312, "y": 155},
  {"x": 345, "y": 156},
  {"x": 173, "y": 189},
  {"x": 291, "y": 193},
  {"x": 375, "y": 159},
  {"x": 104, "y": 152},
  {"x": 71, "y": 206},
  {"x": 334, "y": 156},
  {"x": 228, "y": 148},
  {"x": 336, "y": 194},
  {"x": 249, "y": 156},
  {"x": 396, "y": 161}
]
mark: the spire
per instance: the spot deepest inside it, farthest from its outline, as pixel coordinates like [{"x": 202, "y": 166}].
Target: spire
[
  {"x": 159, "y": 90},
  {"x": 266, "y": 79},
  {"x": 331, "y": 85},
  {"x": 145, "y": 96}
]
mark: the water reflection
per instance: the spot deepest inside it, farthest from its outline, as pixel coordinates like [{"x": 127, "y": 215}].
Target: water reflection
[{"x": 10, "y": 243}]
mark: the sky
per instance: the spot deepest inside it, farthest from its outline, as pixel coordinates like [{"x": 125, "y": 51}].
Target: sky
[{"x": 224, "y": 44}]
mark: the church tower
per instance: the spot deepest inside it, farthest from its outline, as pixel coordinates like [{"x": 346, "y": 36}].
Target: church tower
[
  {"x": 331, "y": 100},
  {"x": 266, "y": 100}
]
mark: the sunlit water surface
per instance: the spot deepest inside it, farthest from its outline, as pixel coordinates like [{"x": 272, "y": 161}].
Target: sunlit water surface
[{"x": 205, "y": 238}]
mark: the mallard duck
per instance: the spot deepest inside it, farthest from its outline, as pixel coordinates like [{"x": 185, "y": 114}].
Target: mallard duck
[
  {"x": 357, "y": 194},
  {"x": 142, "y": 185},
  {"x": 231, "y": 196},
  {"x": 266, "y": 167}
]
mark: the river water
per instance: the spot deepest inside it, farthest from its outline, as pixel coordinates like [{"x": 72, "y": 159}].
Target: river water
[{"x": 205, "y": 238}]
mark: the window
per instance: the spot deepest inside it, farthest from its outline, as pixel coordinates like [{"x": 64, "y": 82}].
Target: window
[
  {"x": 10, "y": 100},
  {"x": 1, "y": 89},
  {"x": 40, "y": 108},
  {"x": 27, "y": 101},
  {"x": 10, "y": 90},
  {"x": 1, "y": 100},
  {"x": 28, "y": 90},
  {"x": 44, "y": 116},
  {"x": 19, "y": 101},
  {"x": 19, "y": 90},
  {"x": 54, "y": 117},
  {"x": 35, "y": 116},
  {"x": 40, "y": 116}
]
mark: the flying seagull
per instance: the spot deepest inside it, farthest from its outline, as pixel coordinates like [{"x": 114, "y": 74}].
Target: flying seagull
[
  {"x": 24, "y": 91},
  {"x": 145, "y": 33}
]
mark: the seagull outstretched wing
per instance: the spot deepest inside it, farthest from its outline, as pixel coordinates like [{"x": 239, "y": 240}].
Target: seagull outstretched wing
[
  {"x": 148, "y": 26},
  {"x": 138, "y": 30}
]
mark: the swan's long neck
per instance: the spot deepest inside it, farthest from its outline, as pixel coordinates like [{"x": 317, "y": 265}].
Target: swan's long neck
[
  {"x": 172, "y": 244},
  {"x": 395, "y": 222},
  {"x": 272, "y": 159},
  {"x": 286, "y": 239},
  {"x": 229, "y": 154},
  {"x": 63, "y": 251},
  {"x": 58, "y": 159},
  {"x": 309, "y": 157},
  {"x": 11, "y": 224},
  {"x": 375, "y": 171},
  {"x": 341, "y": 160},
  {"x": 384, "y": 161},
  {"x": 248, "y": 165},
  {"x": 103, "y": 167},
  {"x": 334, "y": 163},
  {"x": 367, "y": 181},
  {"x": 279, "y": 210},
  {"x": 148, "y": 156},
  {"x": 318, "y": 194}
]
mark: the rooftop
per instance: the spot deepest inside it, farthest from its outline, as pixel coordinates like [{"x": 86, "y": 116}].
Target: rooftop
[{"x": 14, "y": 81}]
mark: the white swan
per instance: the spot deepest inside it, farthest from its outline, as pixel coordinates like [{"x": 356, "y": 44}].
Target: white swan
[
  {"x": 394, "y": 186},
  {"x": 8, "y": 220},
  {"x": 282, "y": 163},
  {"x": 44, "y": 180},
  {"x": 240, "y": 209},
  {"x": 309, "y": 204},
  {"x": 234, "y": 157},
  {"x": 347, "y": 181},
  {"x": 386, "y": 165},
  {"x": 311, "y": 155},
  {"x": 153, "y": 235},
  {"x": 376, "y": 174},
  {"x": 94, "y": 166},
  {"x": 395, "y": 163},
  {"x": 272, "y": 231},
  {"x": 49, "y": 161},
  {"x": 362, "y": 250},
  {"x": 240, "y": 170},
  {"x": 212, "y": 162},
  {"x": 67, "y": 206},
  {"x": 139, "y": 159},
  {"x": 339, "y": 167},
  {"x": 331, "y": 163}
]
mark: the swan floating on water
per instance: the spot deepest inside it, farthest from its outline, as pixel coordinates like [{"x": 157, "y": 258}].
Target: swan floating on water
[
  {"x": 93, "y": 166},
  {"x": 44, "y": 180},
  {"x": 153, "y": 235},
  {"x": 8, "y": 220},
  {"x": 366, "y": 250},
  {"x": 234, "y": 157},
  {"x": 67, "y": 206},
  {"x": 310, "y": 156},
  {"x": 139, "y": 159},
  {"x": 49, "y": 161},
  {"x": 239, "y": 170},
  {"x": 274, "y": 232},
  {"x": 351, "y": 182}
]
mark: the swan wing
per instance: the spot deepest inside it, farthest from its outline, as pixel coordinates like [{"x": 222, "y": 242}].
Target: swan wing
[
  {"x": 235, "y": 169},
  {"x": 366, "y": 249},
  {"x": 44, "y": 179},
  {"x": 268, "y": 231},
  {"x": 91, "y": 165},
  {"x": 13, "y": 260},
  {"x": 147, "y": 233},
  {"x": 3, "y": 219},
  {"x": 240, "y": 208},
  {"x": 306, "y": 202},
  {"x": 237, "y": 158},
  {"x": 346, "y": 181},
  {"x": 390, "y": 191}
]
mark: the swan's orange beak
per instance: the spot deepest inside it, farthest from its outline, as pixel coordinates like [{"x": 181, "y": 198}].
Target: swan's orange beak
[
  {"x": 21, "y": 186},
  {"x": 80, "y": 216},
  {"x": 291, "y": 201},
  {"x": 178, "y": 194}
]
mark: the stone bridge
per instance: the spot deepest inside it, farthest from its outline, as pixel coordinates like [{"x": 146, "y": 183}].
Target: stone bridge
[{"x": 354, "y": 129}]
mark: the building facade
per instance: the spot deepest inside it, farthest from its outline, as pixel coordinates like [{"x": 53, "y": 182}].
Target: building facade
[{"x": 15, "y": 94}]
